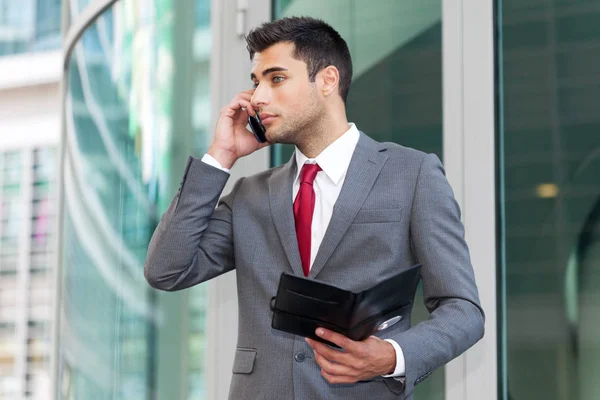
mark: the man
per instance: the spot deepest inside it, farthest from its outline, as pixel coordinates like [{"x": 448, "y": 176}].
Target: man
[{"x": 344, "y": 210}]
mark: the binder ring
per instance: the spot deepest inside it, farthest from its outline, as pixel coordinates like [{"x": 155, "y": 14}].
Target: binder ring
[{"x": 388, "y": 323}]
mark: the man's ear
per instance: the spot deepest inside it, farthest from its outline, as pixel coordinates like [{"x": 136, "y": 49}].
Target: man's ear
[{"x": 329, "y": 80}]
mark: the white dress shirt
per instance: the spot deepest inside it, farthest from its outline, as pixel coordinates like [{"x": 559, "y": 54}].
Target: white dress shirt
[{"x": 334, "y": 162}]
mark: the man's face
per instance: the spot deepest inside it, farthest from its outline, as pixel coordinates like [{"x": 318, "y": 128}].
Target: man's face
[{"x": 288, "y": 102}]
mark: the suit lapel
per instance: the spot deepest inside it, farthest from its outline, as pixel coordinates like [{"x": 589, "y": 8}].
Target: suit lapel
[
  {"x": 280, "y": 198},
  {"x": 365, "y": 166}
]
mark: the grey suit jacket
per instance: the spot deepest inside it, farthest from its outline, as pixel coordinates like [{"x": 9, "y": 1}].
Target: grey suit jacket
[{"x": 395, "y": 209}]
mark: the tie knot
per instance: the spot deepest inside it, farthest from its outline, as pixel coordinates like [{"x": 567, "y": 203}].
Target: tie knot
[{"x": 309, "y": 173}]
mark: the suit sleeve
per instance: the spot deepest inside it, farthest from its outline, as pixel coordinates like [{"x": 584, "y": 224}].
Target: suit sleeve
[
  {"x": 456, "y": 320},
  {"x": 193, "y": 241}
]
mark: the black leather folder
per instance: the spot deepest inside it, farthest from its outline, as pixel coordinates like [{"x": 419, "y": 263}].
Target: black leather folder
[{"x": 302, "y": 305}]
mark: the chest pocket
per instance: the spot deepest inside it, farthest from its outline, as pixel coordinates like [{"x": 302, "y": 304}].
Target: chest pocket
[{"x": 378, "y": 216}]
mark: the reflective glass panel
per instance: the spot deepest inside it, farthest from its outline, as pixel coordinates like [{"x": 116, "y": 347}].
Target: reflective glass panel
[
  {"x": 549, "y": 153},
  {"x": 29, "y": 26},
  {"x": 131, "y": 121}
]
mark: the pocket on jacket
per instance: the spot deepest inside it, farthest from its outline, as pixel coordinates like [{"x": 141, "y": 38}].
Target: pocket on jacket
[
  {"x": 243, "y": 363},
  {"x": 378, "y": 216}
]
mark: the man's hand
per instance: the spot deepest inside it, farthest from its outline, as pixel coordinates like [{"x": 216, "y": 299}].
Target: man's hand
[
  {"x": 359, "y": 361},
  {"x": 232, "y": 140}
]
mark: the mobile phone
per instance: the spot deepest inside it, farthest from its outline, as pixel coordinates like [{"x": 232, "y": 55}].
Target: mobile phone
[{"x": 257, "y": 128}]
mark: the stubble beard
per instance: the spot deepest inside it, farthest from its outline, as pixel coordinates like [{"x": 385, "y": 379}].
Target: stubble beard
[{"x": 299, "y": 129}]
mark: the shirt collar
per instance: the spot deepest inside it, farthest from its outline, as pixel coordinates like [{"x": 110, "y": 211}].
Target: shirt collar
[{"x": 335, "y": 159}]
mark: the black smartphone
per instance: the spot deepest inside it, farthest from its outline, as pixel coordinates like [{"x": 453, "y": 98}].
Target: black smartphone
[{"x": 257, "y": 128}]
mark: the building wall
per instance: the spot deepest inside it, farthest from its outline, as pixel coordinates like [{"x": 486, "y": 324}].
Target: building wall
[{"x": 29, "y": 142}]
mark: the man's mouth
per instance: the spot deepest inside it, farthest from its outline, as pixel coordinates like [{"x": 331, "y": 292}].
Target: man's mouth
[{"x": 266, "y": 118}]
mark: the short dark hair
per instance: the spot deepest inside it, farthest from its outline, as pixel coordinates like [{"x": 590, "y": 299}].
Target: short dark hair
[{"x": 316, "y": 43}]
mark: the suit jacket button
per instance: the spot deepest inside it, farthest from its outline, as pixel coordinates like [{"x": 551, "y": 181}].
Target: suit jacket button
[{"x": 299, "y": 357}]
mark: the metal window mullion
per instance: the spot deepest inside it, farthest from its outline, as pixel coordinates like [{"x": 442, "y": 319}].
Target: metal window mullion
[
  {"x": 481, "y": 364},
  {"x": 2, "y": 156},
  {"x": 79, "y": 26},
  {"x": 23, "y": 276},
  {"x": 34, "y": 30},
  {"x": 453, "y": 146},
  {"x": 469, "y": 158}
]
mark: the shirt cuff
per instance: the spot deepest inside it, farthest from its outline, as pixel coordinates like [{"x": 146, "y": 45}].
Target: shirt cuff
[
  {"x": 210, "y": 160},
  {"x": 400, "y": 366}
]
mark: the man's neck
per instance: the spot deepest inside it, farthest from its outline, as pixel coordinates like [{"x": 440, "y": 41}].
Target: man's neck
[{"x": 328, "y": 133}]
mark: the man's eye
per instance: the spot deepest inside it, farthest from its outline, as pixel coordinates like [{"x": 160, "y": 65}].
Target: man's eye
[{"x": 278, "y": 79}]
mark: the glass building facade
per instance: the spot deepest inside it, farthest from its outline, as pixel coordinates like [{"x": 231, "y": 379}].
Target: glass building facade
[
  {"x": 549, "y": 154},
  {"x": 29, "y": 26},
  {"x": 139, "y": 98},
  {"x": 127, "y": 91},
  {"x": 27, "y": 254}
]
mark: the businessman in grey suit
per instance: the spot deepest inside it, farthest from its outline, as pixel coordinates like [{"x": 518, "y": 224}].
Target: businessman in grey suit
[{"x": 345, "y": 210}]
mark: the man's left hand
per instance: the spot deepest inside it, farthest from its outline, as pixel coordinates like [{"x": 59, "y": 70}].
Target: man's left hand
[{"x": 359, "y": 361}]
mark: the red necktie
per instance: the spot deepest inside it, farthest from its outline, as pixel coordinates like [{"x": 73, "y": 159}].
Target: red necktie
[{"x": 304, "y": 206}]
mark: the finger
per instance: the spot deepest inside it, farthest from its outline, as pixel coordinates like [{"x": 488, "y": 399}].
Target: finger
[
  {"x": 334, "y": 368},
  {"x": 335, "y": 379},
  {"x": 247, "y": 97},
  {"x": 246, "y": 105},
  {"x": 250, "y": 110},
  {"x": 331, "y": 353},
  {"x": 345, "y": 343},
  {"x": 236, "y": 105}
]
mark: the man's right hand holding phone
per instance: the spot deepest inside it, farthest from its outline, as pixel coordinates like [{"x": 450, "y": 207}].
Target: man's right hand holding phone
[{"x": 232, "y": 139}]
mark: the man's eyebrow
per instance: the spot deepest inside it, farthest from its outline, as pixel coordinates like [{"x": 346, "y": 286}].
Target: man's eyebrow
[{"x": 268, "y": 71}]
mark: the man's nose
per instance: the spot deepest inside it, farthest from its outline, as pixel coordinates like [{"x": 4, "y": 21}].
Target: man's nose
[{"x": 260, "y": 97}]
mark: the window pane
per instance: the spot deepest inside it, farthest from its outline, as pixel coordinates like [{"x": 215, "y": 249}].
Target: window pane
[
  {"x": 129, "y": 129},
  {"x": 550, "y": 168},
  {"x": 11, "y": 223},
  {"x": 29, "y": 26}
]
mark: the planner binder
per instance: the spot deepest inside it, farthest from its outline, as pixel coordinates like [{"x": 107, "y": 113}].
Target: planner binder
[{"x": 302, "y": 305}]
